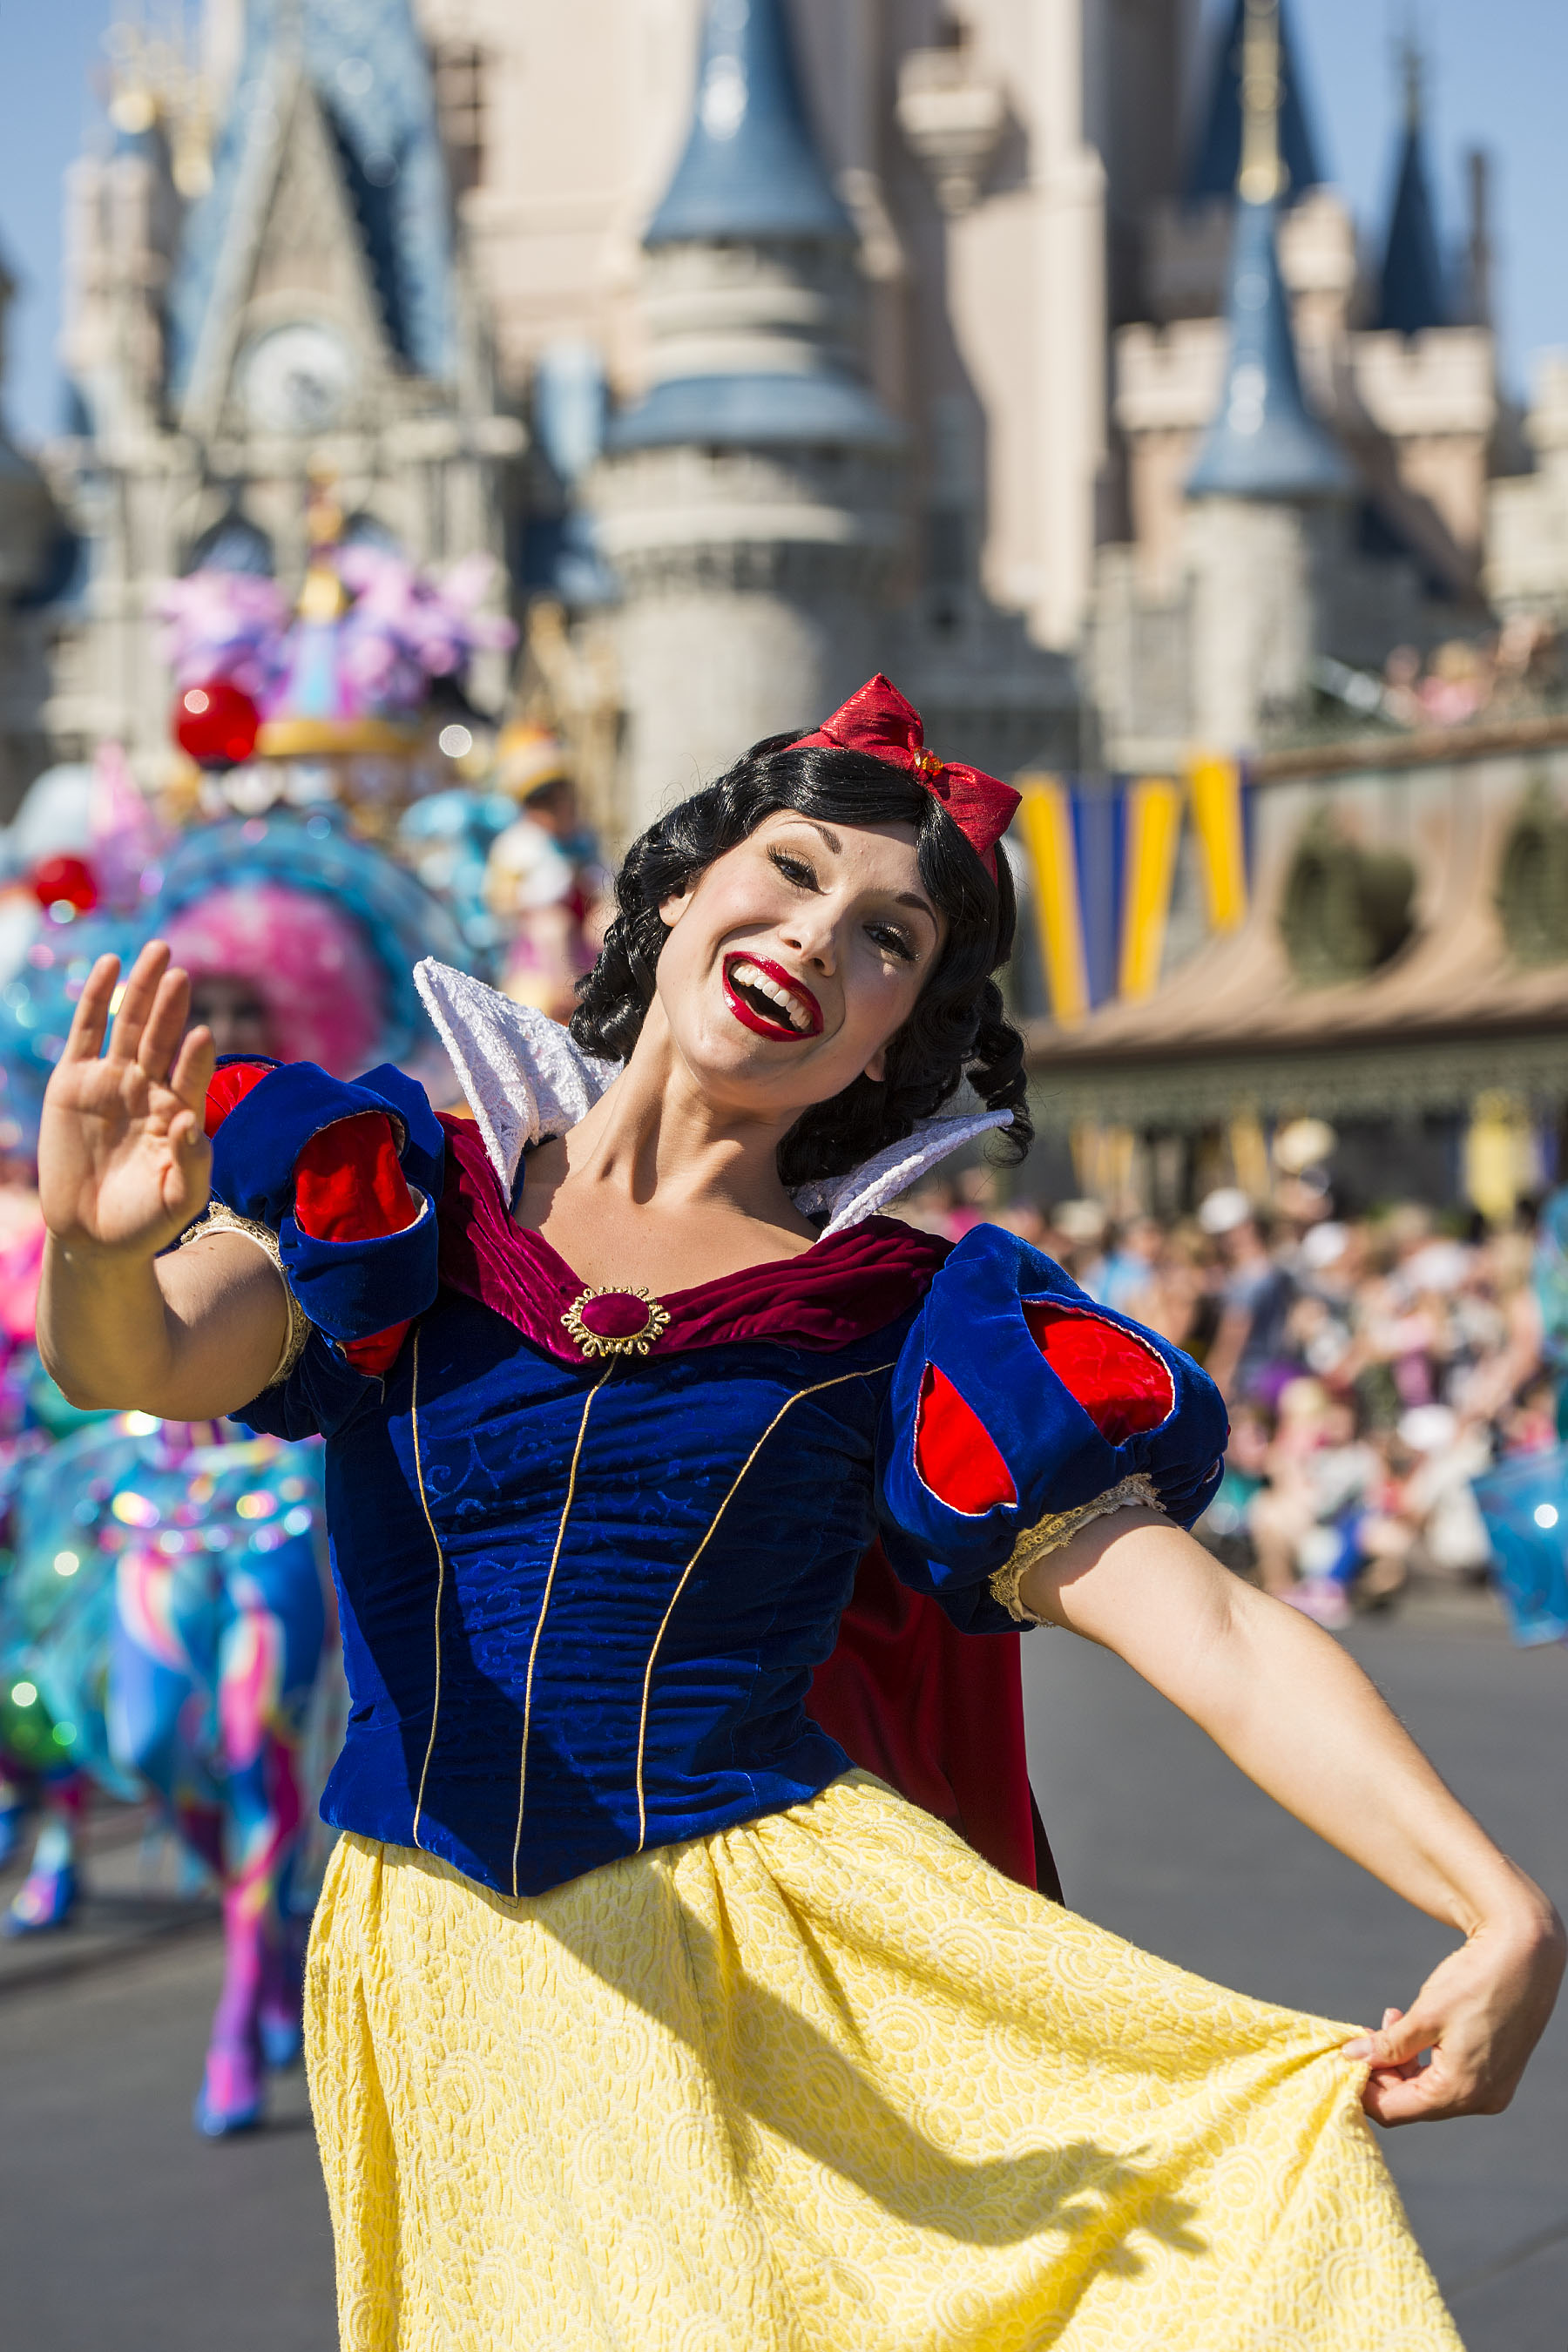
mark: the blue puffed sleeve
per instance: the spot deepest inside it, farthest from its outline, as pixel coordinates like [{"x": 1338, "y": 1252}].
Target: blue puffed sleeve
[
  {"x": 321, "y": 1396},
  {"x": 349, "y": 1289},
  {"x": 1017, "y": 1398}
]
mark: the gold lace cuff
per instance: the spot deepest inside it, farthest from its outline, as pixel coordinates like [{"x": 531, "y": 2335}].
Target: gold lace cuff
[
  {"x": 221, "y": 1219},
  {"x": 1056, "y": 1528}
]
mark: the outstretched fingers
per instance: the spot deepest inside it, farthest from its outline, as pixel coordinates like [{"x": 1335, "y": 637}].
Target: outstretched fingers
[
  {"x": 84, "y": 1040},
  {"x": 164, "y": 1027},
  {"x": 192, "y": 1074},
  {"x": 140, "y": 996}
]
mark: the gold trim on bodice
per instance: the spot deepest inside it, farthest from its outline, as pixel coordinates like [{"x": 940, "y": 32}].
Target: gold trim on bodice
[
  {"x": 440, "y": 1586},
  {"x": 817, "y": 1389},
  {"x": 544, "y": 1612},
  {"x": 789, "y": 1403}
]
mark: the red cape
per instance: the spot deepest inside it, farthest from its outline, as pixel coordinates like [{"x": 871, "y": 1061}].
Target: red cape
[{"x": 939, "y": 1715}]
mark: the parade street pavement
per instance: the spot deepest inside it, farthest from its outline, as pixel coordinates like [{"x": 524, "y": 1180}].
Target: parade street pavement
[
  {"x": 1160, "y": 1838},
  {"x": 121, "y": 2231}
]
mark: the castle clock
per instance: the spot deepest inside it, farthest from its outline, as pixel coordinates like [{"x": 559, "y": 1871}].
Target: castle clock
[{"x": 298, "y": 379}]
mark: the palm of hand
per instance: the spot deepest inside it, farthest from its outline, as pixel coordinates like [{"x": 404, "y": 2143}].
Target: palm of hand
[
  {"x": 110, "y": 1168},
  {"x": 123, "y": 1159}
]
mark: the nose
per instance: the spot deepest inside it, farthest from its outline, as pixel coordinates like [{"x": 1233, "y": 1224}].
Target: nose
[{"x": 812, "y": 933}]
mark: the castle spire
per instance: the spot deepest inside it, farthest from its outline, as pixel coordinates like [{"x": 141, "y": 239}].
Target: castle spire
[
  {"x": 366, "y": 69},
  {"x": 1412, "y": 293},
  {"x": 752, "y": 504},
  {"x": 749, "y": 364},
  {"x": 1264, "y": 442},
  {"x": 1218, "y": 160},
  {"x": 751, "y": 167},
  {"x": 1262, "y": 175}
]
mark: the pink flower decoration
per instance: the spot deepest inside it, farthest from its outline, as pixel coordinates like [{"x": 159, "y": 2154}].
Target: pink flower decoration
[{"x": 225, "y": 625}]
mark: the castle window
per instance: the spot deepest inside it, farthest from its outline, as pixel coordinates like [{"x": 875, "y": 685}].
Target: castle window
[
  {"x": 1346, "y": 910},
  {"x": 234, "y": 543},
  {"x": 954, "y": 500},
  {"x": 460, "y": 71},
  {"x": 365, "y": 529},
  {"x": 1532, "y": 883}
]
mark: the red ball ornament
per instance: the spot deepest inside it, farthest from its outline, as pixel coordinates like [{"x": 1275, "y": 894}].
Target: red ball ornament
[
  {"x": 65, "y": 881},
  {"x": 217, "y": 724}
]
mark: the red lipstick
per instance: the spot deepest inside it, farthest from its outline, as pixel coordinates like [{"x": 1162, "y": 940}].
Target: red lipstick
[{"x": 758, "y": 1010}]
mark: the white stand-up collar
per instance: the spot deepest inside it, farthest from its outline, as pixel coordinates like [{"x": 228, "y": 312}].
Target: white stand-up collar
[{"x": 525, "y": 1079}]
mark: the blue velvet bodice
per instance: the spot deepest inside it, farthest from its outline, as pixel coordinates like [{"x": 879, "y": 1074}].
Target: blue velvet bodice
[
  {"x": 583, "y": 1601},
  {"x": 488, "y": 1441}
]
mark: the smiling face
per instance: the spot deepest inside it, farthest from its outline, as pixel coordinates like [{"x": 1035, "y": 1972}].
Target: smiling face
[{"x": 794, "y": 959}]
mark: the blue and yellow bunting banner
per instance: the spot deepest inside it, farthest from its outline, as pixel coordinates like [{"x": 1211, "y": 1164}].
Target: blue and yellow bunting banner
[
  {"x": 1103, "y": 855},
  {"x": 1221, "y": 814},
  {"x": 1154, "y": 835},
  {"x": 1044, "y": 820}
]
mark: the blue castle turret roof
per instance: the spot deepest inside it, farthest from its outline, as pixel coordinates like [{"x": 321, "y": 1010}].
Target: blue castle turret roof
[
  {"x": 799, "y": 410},
  {"x": 366, "y": 63},
  {"x": 752, "y": 173},
  {"x": 1264, "y": 442},
  {"x": 1216, "y": 152},
  {"x": 1413, "y": 290},
  {"x": 751, "y": 169}
]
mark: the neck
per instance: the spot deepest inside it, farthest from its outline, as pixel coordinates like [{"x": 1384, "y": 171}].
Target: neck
[{"x": 655, "y": 1135}]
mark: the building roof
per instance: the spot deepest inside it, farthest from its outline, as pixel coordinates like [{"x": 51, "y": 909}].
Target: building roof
[
  {"x": 1217, "y": 151},
  {"x": 751, "y": 169},
  {"x": 1452, "y": 1013},
  {"x": 1264, "y": 441},
  {"x": 366, "y": 63},
  {"x": 751, "y": 175},
  {"x": 753, "y": 411},
  {"x": 1413, "y": 292}
]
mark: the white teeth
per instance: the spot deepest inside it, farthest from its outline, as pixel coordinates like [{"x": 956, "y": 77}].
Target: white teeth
[{"x": 750, "y": 976}]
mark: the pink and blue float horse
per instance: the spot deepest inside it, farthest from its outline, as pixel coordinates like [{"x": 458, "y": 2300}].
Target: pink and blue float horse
[{"x": 168, "y": 1614}]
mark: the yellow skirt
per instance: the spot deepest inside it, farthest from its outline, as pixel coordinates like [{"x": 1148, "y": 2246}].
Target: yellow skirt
[{"x": 826, "y": 2084}]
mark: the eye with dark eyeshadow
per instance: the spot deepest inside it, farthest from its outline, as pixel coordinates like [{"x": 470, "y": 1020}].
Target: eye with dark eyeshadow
[
  {"x": 799, "y": 871},
  {"x": 795, "y": 869},
  {"x": 896, "y": 942}
]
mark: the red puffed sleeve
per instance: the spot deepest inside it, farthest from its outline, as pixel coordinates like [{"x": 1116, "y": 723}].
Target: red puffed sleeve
[
  {"x": 338, "y": 1178},
  {"x": 1019, "y": 1403}
]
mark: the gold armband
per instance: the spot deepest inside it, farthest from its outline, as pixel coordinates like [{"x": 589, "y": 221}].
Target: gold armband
[
  {"x": 1058, "y": 1528},
  {"x": 221, "y": 1219}
]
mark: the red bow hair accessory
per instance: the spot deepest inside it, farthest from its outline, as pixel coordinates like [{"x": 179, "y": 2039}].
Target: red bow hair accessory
[{"x": 877, "y": 720}]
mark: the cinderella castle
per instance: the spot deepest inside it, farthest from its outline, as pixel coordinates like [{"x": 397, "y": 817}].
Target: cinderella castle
[{"x": 1021, "y": 348}]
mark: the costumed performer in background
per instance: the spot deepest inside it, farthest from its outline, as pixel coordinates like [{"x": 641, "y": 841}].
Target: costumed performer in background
[
  {"x": 191, "y": 1648},
  {"x": 633, "y": 2014},
  {"x": 545, "y": 883}
]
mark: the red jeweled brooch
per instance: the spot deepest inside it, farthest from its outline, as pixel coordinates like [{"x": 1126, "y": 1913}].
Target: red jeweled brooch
[{"x": 615, "y": 1322}]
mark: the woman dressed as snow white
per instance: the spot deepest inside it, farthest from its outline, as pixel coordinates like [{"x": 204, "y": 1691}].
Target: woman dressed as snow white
[{"x": 636, "y": 2015}]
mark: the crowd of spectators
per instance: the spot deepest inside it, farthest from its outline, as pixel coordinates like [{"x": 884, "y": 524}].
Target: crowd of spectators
[
  {"x": 1374, "y": 1368},
  {"x": 1507, "y": 675}
]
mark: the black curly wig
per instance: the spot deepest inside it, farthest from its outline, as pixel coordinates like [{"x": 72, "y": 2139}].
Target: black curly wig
[{"x": 958, "y": 1028}]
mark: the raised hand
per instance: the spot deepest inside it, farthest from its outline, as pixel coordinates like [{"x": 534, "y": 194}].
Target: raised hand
[{"x": 123, "y": 1158}]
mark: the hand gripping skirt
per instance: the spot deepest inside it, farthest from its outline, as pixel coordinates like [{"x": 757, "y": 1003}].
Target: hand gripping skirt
[{"x": 826, "y": 2084}]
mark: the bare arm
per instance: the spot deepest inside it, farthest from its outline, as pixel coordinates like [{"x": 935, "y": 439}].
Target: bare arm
[
  {"x": 1301, "y": 1720},
  {"x": 123, "y": 1164}
]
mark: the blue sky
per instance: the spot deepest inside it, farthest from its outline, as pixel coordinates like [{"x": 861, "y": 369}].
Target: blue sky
[{"x": 1500, "y": 79}]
